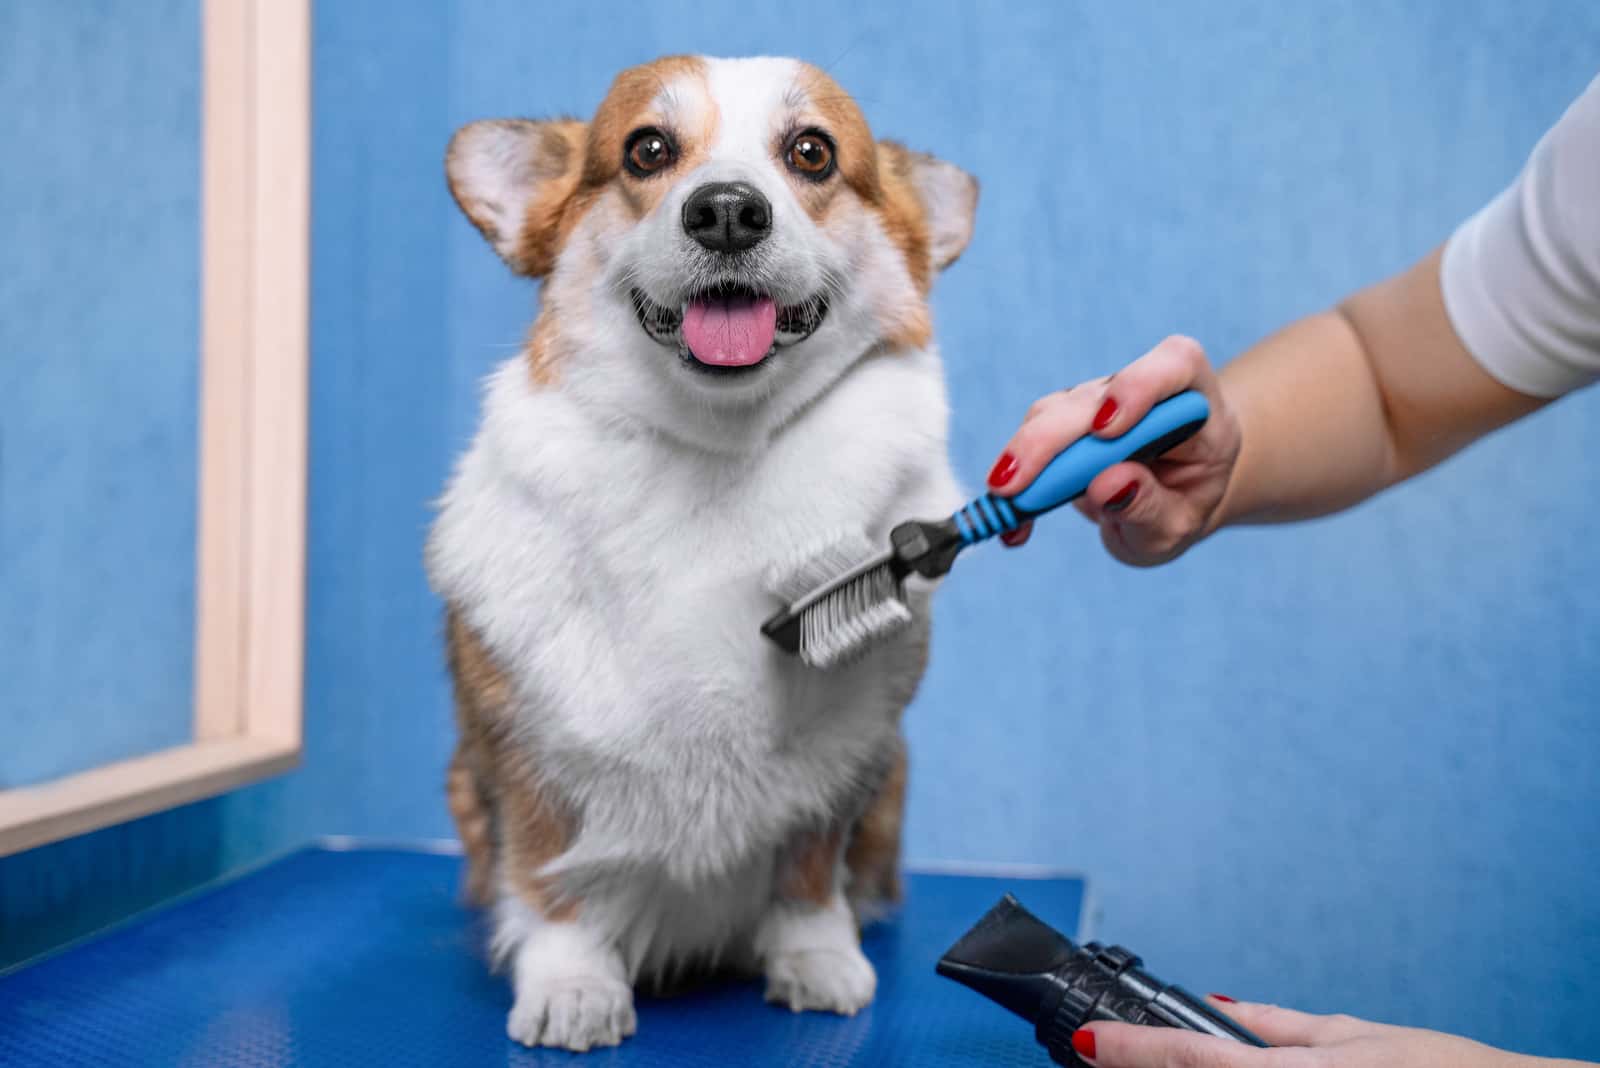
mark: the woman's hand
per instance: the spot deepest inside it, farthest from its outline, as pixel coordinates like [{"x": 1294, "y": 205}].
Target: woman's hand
[
  {"x": 1301, "y": 1040},
  {"x": 1147, "y": 515}
]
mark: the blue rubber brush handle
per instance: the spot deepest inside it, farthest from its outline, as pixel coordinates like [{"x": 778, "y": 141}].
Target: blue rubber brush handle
[{"x": 1065, "y": 478}]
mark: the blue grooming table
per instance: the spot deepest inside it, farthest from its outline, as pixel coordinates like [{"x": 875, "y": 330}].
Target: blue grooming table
[{"x": 359, "y": 956}]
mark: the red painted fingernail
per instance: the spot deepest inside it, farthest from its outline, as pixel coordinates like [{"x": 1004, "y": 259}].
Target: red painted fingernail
[
  {"x": 1107, "y": 412},
  {"x": 1003, "y": 469},
  {"x": 1083, "y": 1042},
  {"x": 1124, "y": 497},
  {"x": 1014, "y": 538},
  {"x": 1224, "y": 998}
]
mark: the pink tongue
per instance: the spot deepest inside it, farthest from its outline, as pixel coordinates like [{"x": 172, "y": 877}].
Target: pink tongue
[{"x": 730, "y": 331}]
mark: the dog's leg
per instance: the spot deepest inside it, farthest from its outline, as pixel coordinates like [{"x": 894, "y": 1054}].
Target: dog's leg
[
  {"x": 470, "y": 810},
  {"x": 873, "y": 859},
  {"x": 481, "y": 695},
  {"x": 808, "y": 942},
  {"x": 571, "y": 986}
]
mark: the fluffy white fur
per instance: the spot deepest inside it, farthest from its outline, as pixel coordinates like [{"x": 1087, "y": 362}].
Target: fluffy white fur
[
  {"x": 608, "y": 539},
  {"x": 813, "y": 958},
  {"x": 572, "y": 989}
]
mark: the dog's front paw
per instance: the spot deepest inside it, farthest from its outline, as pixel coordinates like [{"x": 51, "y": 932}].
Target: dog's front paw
[
  {"x": 813, "y": 960},
  {"x": 827, "y": 980},
  {"x": 575, "y": 1014}
]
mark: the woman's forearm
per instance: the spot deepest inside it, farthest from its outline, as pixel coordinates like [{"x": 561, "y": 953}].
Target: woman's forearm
[
  {"x": 1347, "y": 402},
  {"x": 1314, "y": 438}
]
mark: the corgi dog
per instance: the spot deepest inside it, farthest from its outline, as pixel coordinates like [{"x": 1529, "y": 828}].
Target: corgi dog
[{"x": 732, "y": 364}]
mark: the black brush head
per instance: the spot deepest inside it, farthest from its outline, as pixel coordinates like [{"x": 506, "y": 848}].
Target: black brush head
[
  {"x": 784, "y": 629},
  {"x": 861, "y": 603},
  {"x": 828, "y": 614},
  {"x": 814, "y": 578}
]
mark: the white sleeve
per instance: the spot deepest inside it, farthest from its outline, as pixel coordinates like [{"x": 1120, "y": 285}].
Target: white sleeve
[{"x": 1521, "y": 278}]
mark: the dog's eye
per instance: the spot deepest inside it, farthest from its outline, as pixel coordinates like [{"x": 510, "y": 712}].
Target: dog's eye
[
  {"x": 648, "y": 151},
  {"x": 810, "y": 155}
]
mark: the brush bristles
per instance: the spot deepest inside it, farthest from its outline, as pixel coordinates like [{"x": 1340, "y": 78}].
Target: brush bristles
[
  {"x": 817, "y": 562},
  {"x": 853, "y": 618}
]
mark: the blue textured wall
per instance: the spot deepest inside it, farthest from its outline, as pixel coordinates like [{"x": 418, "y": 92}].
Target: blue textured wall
[
  {"x": 99, "y": 263},
  {"x": 1347, "y": 765}
]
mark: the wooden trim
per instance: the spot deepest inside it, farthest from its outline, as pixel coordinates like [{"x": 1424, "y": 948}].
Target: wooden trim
[
  {"x": 128, "y": 789},
  {"x": 226, "y": 334},
  {"x": 250, "y": 552},
  {"x": 276, "y": 506}
]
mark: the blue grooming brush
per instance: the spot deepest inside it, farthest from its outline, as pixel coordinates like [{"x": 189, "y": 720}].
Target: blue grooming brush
[{"x": 841, "y": 618}]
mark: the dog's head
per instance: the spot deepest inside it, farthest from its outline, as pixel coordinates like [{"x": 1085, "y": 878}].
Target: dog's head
[{"x": 724, "y": 237}]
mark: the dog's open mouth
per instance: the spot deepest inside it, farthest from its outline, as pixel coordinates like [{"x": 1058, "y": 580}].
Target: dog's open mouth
[{"x": 728, "y": 329}]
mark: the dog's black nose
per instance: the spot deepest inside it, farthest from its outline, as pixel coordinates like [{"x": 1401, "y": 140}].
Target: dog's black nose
[{"x": 727, "y": 216}]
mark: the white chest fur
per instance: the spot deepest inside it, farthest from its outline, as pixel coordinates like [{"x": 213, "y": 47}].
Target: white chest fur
[{"x": 618, "y": 577}]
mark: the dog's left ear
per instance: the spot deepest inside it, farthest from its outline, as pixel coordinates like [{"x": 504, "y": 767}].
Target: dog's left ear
[
  {"x": 948, "y": 194},
  {"x": 514, "y": 178}
]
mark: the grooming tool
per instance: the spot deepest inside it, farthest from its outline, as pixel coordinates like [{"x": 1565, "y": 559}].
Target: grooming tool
[
  {"x": 1023, "y": 964},
  {"x": 838, "y": 619},
  {"x": 872, "y": 609}
]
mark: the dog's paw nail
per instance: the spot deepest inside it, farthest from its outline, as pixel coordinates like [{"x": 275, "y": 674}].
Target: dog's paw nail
[{"x": 576, "y": 1015}]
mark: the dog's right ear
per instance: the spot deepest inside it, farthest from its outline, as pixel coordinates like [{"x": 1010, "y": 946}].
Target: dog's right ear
[{"x": 515, "y": 179}]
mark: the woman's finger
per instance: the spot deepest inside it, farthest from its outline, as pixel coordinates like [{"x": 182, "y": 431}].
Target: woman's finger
[
  {"x": 1120, "y": 1045},
  {"x": 1286, "y": 1027},
  {"x": 1142, "y": 522},
  {"x": 1177, "y": 364},
  {"x": 1044, "y": 404},
  {"x": 1013, "y": 538},
  {"x": 1053, "y": 424},
  {"x": 1114, "y": 489}
]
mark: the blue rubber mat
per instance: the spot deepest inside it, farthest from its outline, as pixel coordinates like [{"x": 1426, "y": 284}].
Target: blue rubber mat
[{"x": 345, "y": 958}]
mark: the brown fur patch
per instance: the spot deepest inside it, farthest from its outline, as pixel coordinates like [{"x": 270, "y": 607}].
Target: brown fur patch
[
  {"x": 547, "y": 164},
  {"x": 873, "y": 858},
  {"x": 470, "y": 810},
  {"x": 625, "y": 108},
  {"x": 543, "y": 351},
  {"x": 879, "y": 172},
  {"x": 841, "y": 116},
  {"x": 589, "y": 158},
  {"x": 904, "y": 217},
  {"x": 574, "y": 162},
  {"x": 828, "y": 107},
  {"x": 912, "y": 327},
  {"x": 508, "y": 822},
  {"x": 533, "y": 832},
  {"x": 808, "y": 865},
  {"x": 625, "y": 102},
  {"x": 548, "y": 218}
]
